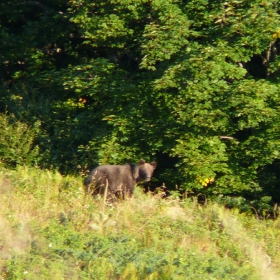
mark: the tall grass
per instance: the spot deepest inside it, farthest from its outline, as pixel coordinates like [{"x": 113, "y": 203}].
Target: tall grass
[{"x": 49, "y": 229}]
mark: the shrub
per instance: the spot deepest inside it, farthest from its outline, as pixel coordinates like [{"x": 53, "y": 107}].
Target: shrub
[{"x": 17, "y": 145}]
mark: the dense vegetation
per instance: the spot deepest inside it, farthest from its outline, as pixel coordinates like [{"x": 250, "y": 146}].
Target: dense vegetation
[
  {"x": 49, "y": 229},
  {"x": 191, "y": 84}
]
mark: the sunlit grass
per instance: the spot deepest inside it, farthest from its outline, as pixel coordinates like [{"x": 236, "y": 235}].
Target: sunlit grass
[{"x": 49, "y": 229}]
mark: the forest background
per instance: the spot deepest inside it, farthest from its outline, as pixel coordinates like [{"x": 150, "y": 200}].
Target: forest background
[{"x": 193, "y": 85}]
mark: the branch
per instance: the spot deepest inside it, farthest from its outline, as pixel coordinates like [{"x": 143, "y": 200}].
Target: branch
[
  {"x": 226, "y": 137},
  {"x": 271, "y": 52}
]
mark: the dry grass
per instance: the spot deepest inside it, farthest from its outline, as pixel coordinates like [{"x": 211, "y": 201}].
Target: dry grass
[{"x": 37, "y": 205}]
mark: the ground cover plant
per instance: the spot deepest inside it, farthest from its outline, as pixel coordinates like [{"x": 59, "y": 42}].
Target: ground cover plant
[{"x": 49, "y": 229}]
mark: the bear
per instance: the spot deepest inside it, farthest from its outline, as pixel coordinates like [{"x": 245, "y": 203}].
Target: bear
[{"x": 113, "y": 179}]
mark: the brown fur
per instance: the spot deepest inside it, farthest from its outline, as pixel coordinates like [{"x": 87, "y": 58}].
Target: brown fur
[{"x": 118, "y": 178}]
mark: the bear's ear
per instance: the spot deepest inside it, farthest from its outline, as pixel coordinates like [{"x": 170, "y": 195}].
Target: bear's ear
[
  {"x": 154, "y": 164},
  {"x": 141, "y": 162}
]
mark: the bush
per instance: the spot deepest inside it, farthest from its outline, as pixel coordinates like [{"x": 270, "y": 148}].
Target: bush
[{"x": 17, "y": 145}]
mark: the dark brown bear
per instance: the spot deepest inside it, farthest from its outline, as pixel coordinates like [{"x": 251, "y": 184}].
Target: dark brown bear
[{"x": 118, "y": 178}]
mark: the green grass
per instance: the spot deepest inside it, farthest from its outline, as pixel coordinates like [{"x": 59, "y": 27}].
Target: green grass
[{"x": 49, "y": 229}]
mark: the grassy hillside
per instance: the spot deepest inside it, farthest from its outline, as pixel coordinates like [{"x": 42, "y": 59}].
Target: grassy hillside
[{"x": 50, "y": 230}]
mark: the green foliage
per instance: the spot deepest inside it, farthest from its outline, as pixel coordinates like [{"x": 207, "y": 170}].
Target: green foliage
[
  {"x": 17, "y": 142},
  {"x": 193, "y": 82}
]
